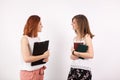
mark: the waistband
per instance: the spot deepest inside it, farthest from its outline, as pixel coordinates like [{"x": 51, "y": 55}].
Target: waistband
[{"x": 81, "y": 67}]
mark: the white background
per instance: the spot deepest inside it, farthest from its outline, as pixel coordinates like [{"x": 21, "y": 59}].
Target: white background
[{"x": 104, "y": 20}]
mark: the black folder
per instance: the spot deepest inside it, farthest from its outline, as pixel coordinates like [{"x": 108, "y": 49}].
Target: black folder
[
  {"x": 80, "y": 47},
  {"x": 38, "y": 49}
]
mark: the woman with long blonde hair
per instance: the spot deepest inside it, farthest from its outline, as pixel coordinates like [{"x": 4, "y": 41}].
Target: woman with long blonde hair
[{"x": 81, "y": 61}]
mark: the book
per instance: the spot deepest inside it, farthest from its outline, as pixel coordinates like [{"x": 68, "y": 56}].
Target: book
[
  {"x": 38, "y": 49},
  {"x": 80, "y": 47}
]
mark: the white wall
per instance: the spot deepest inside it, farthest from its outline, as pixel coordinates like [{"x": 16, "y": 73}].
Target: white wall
[{"x": 103, "y": 16}]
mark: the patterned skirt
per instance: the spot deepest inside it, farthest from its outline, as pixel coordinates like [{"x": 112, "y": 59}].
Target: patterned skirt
[{"x": 79, "y": 74}]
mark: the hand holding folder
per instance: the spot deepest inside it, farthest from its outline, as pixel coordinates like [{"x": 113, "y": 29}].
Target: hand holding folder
[
  {"x": 38, "y": 49},
  {"x": 80, "y": 47}
]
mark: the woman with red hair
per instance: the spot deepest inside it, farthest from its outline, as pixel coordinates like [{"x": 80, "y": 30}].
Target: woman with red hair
[{"x": 30, "y": 35}]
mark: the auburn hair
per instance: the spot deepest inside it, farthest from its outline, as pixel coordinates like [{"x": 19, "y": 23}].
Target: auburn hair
[
  {"x": 31, "y": 26},
  {"x": 83, "y": 25}
]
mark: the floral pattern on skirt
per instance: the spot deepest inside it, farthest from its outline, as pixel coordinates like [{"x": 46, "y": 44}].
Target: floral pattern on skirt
[{"x": 79, "y": 74}]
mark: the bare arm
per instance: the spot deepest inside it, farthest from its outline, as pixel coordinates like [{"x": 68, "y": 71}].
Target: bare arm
[
  {"x": 89, "y": 53},
  {"x": 27, "y": 57}
]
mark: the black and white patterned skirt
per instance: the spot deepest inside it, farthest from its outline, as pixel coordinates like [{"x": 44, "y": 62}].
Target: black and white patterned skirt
[{"x": 79, "y": 74}]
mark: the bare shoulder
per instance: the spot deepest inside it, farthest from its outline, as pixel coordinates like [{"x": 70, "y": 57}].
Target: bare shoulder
[
  {"x": 24, "y": 39},
  {"x": 88, "y": 39},
  {"x": 87, "y": 36}
]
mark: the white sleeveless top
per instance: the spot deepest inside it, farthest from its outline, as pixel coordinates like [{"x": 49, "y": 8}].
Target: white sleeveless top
[
  {"x": 27, "y": 66},
  {"x": 81, "y": 63}
]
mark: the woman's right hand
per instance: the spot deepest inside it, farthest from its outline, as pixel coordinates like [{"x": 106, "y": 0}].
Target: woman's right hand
[{"x": 73, "y": 57}]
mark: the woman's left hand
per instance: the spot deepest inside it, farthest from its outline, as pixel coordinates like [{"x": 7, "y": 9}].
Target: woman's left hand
[{"x": 45, "y": 60}]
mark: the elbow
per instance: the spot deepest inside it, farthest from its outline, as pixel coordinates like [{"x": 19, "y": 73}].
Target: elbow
[
  {"x": 91, "y": 56},
  {"x": 27, "y": 60}
]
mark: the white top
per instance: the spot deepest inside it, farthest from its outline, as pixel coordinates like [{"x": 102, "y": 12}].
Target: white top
[
  {"x": 27, "y": 66},
  {"x": 81, "y": 63}
]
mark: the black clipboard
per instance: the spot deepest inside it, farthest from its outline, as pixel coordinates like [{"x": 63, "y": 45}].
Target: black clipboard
[{"x": 38, "y": 49}]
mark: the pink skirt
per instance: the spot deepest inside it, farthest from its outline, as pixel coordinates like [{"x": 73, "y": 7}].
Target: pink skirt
[{"x": 32, "y": 75}]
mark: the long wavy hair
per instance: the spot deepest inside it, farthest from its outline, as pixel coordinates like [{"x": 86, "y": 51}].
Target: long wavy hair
[
  {"x": 31, "y": 26},
  {"x": 83, "y": 24}
]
